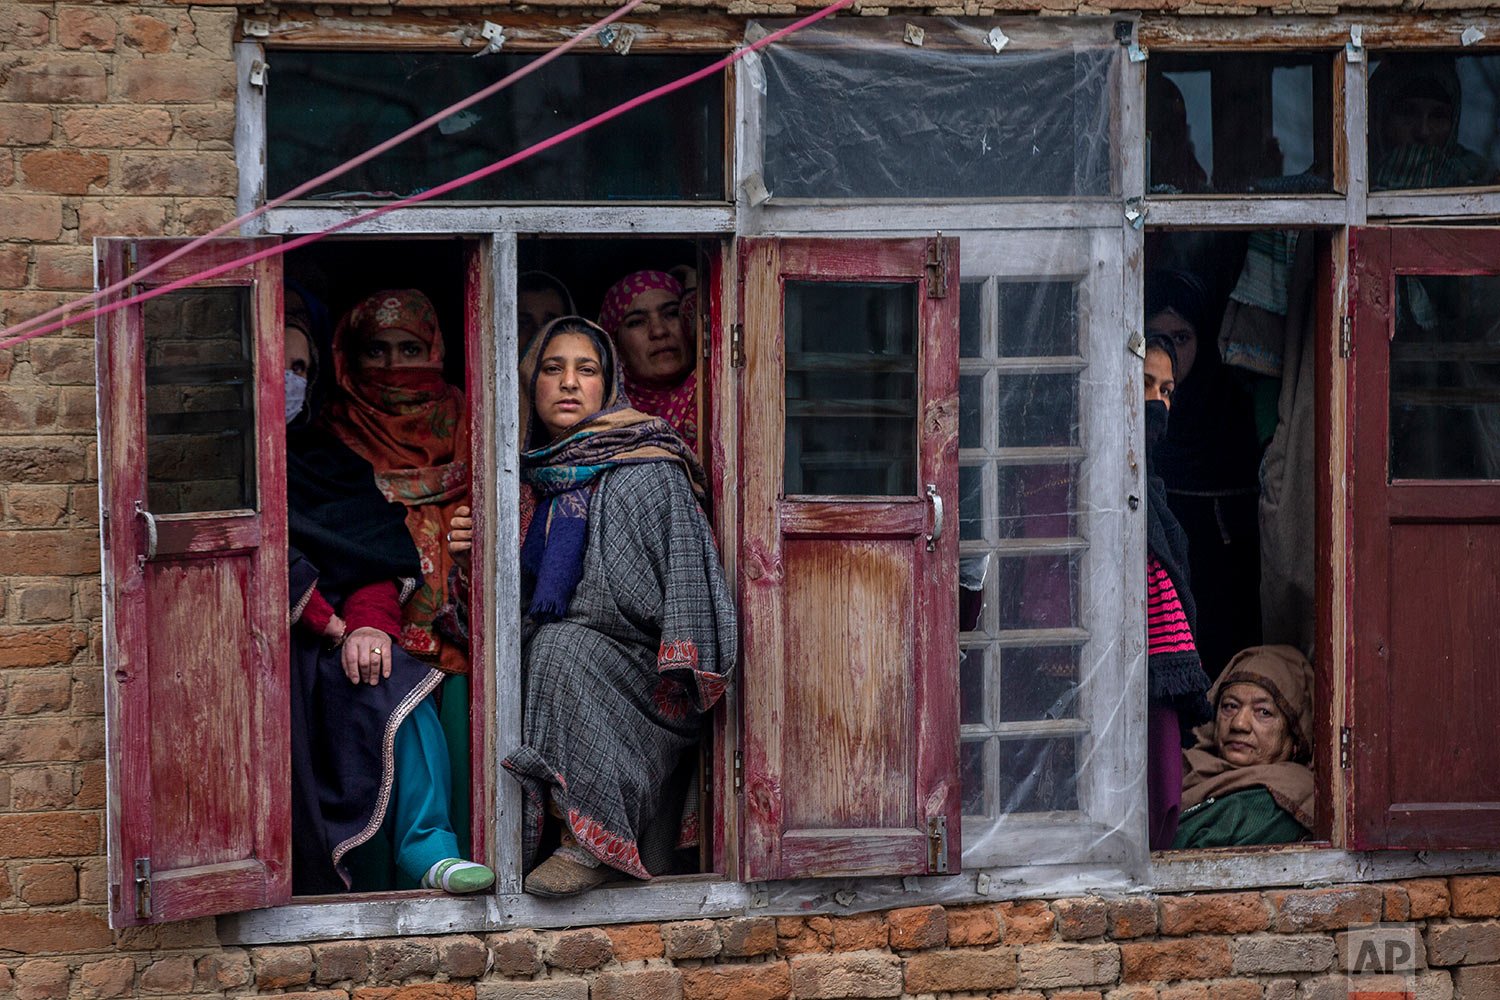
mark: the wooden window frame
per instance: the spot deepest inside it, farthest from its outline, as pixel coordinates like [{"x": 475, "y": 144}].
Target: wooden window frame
[{"x": 1291, "y": 865}]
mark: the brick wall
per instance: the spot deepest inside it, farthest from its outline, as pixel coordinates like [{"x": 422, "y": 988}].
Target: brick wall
[{"x": 1272, "y": 945}]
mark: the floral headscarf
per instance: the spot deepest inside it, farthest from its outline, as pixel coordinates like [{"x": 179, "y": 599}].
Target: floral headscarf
[
  {"x": 677, "y": 405},
  {"x": 412, "y": 426}
]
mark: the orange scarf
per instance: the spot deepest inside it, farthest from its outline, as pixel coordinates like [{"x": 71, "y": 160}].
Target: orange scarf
[{"x": 413, "y": 428}]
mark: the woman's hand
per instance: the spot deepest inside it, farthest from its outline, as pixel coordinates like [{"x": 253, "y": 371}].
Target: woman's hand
[
  {"x": 461, "y": 535},
  {"x": 367, "y": 655}
]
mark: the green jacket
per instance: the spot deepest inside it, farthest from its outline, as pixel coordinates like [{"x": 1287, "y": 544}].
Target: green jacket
[{"x": 1238, "y": 819}]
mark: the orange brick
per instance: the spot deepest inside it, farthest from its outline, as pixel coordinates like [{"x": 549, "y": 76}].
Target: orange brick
[
  {"x": 25, "y": 124},
  {"x": 800, "y": 935},
  {"x": 760, "y": 981},
  {"x": 917, "y": 927},
  {"x": 86, "y": 28},
  {"x": 148, "y": 34},
  {"x": 49, "y": 835},
  {"x": 57, "y": 79},
  {"x": 965, "y": 970},
  {"x": 1395, "y": 903},
  {"x": 22, "y": 28},
  {"x": 64, "y": 171},
  {"x": 1475, "y": 895},
  {"x": 1027, "y": 922},
  {"x": 178, "y": 173},
  {"x": 1427, "y": 897},
  {"x": 416, "y": 991},
  {"x": 40, "y": 932},
  {"x": 972, "y": 925},
  {"x": 1214, "y": 913},
  {"x": 39, "y": 645},
  {"x": 864, "y": 932},
  {"x": 633, "y": 942},
  {"x": 1131, "y": 918},
  {"x": 1325, "y": 909},
  {"x": 116, "y": 127},
  {"x": 31, "y": 217},
  {"x": 174, "y": 81},
  {"x": 1185, "y": 958},
  {"x": 1079, "y": 919},
  {"x": 122, "y": 217}
]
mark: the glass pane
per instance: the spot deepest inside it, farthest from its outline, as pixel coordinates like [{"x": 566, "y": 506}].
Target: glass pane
[
  {"x": 1434, "y": 120},
  {"x": 1038, "y": 410},
  {"x": 971, "y": 411},
  {"x": 200, "y": 401},
  {"x": 1445, "y": 378},
  {"x": 1259, "y": 123},
  {"x": 1038, "y": 592},
  {"x": 326, "y": 106},
  {"x": 1036, "y": 501},
  {"x": 1038, "y": 775},
  {"x": 1038, "y": 682},
  {"x": 851, "y": 388},
  {"x": 973, "y": 570},
  {"x": 971, "y": 319},
  {"x": 970, "y": 502},
  {"x": 972, "y": 776},
  {"x": 971, "y": 686},
  {"x": 1038, "y": 319},
  {"x": 897, "y": 121}
]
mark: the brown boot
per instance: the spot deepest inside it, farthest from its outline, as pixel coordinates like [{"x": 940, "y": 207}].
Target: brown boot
[{"x": 560, "y": 876}]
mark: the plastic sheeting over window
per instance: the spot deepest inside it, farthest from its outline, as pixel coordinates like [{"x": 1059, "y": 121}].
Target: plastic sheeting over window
[{"x": 977, "y": 110}]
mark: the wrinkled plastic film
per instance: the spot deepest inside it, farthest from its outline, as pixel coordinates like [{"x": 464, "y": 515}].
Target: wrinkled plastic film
[{"x": 855, "y": 110}]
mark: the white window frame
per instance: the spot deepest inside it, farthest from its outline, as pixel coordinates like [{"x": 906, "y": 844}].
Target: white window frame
[{"x": 984, "y": 229}]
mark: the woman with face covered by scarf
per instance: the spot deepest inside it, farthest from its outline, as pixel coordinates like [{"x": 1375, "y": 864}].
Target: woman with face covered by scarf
[
  {"x": 392, "y": 407},
  {"x": 1415, "y": 104},
  {"x": 367, "y": 748},
  {"x": 1175, "y": 678},
  {"x": 643, "y": 313},
  {"x": 629, "y": 631}
]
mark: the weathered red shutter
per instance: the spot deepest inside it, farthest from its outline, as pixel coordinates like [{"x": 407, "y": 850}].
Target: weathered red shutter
[
  {"x": 849, "y": 622},
  {"x": 193, "y": 498},
  {"x": 1424, "y": 690}
]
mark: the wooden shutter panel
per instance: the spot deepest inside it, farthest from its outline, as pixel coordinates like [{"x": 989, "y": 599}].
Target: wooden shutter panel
[
  {"x": 1424, "y": 694},
  {"x": 193, "y": 499},
  {"x": 850, "y": 624}
]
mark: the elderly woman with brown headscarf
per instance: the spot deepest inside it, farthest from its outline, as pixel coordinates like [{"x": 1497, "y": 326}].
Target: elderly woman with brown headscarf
[{"x": 1249, "y": 779}]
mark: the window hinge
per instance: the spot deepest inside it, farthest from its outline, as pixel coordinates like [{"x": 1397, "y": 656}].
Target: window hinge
[
  {"x": 1345, "y": 734},
  {"x": 937, "y": 267},
  {"x": 937, "y": 845},
  {"x": 143, "y": 888},
  {"x": 739, "y": 770},
  {"x": 737, "y": 346},
  {"x": 104, "y": 529},
  {"x": 1346, "y": 336}
]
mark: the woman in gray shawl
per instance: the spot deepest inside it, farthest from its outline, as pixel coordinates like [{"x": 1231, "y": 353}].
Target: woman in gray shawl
[{"x": 629, "y": 633}]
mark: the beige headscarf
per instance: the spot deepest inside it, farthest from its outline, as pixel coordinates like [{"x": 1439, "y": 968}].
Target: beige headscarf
[{"x": 1287, "y": 677}]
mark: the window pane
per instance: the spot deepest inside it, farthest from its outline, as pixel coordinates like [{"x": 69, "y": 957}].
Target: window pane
[
  {"x": 970, "y": 502},
  {"x": 1036, "y": 501},
  {"x": 1038, "y": 775},
  {"x": 971, "y": 671},
  {"x": 1038, "y": 682},
  {"x": 1259, "y": 123},
  {"x": 200, "y": 401},
  {"x": 971, "y": 411},
  {"x": 1433, "y": 120},
  {"x": 1445, "y": 378},
  {"x": 970, "y": 319},
  {"x": 1038, "y": 410},
  {"x": 1038, "y": 592},
  {"x": 324, "y": 107},
  {"x": 972, "y": 776},
  {"x": 1038, "y": 319},
  {"x": 851, "y": 388},
  {"x": 897, "y": 121}
]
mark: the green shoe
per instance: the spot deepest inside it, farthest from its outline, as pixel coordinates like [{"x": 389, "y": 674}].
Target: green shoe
[{"x": 458, "y": 876}]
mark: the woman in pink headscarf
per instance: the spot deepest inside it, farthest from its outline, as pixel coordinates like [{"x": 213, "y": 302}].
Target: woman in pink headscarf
[{"x": 642, "y": 312}]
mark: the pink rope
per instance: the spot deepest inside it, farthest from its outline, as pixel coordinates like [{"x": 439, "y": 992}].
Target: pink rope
[
  {"x": 323, "y": 178},
  {"x": 441, "y": 189}
]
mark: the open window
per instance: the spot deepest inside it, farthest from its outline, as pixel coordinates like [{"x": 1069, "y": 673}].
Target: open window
[
  {"x": 1425, "y": 531},
  {"x": 193, "y": 498},
  {"x": 848, "y": 481}
]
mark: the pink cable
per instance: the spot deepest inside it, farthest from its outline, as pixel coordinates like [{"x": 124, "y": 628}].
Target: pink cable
[
  {"x": 482, "y": 172},
  {"x": 325, "y": 177}
]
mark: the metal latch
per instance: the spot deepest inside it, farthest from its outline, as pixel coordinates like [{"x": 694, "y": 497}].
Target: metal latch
[
  {"x": 1346, "y": 336},
  {"x": 143, "y": 888},
  {"x": 937, "y": 268},
  {"x": 1345, "y": 738},
  {"x": 737, "y": 346},
  {"x": 937, "y": 844}
]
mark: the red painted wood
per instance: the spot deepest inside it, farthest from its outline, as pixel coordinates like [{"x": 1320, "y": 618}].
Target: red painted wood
[
  {"x": 196, "y": 644},
  {"x": 478, "y": 308},
  {"x": 1424, "y": 692},
  {"x": 849, "y": 631}
]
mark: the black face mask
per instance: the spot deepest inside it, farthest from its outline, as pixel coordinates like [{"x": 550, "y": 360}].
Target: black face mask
[{"x": 1156, "y": 423}]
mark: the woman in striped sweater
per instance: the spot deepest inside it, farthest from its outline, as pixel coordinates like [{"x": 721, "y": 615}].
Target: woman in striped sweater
[{"x": 1176, "y": 680}]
